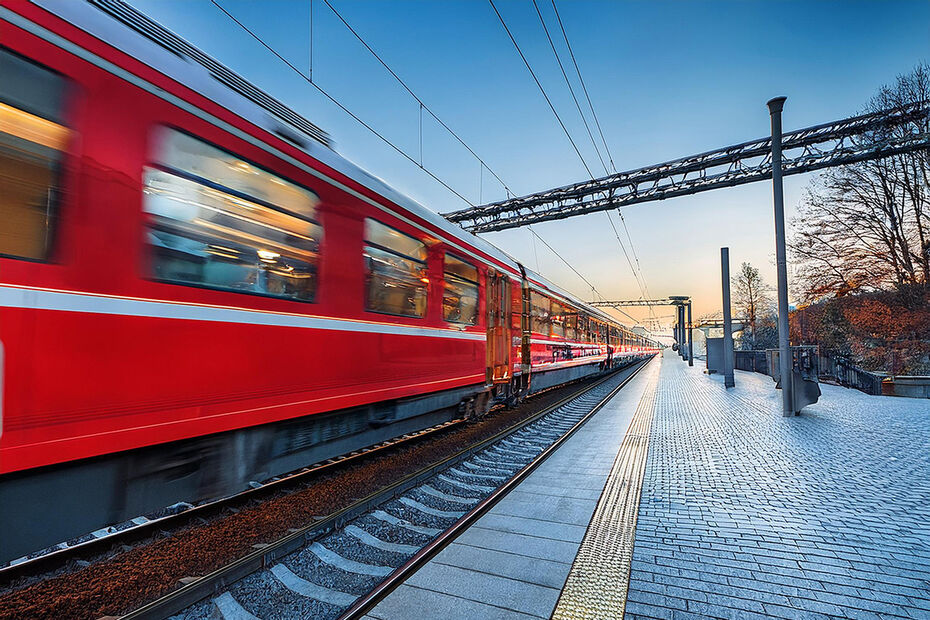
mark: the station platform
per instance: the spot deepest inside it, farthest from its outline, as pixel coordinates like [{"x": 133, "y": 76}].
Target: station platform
[{"x": 681, "y": 499}]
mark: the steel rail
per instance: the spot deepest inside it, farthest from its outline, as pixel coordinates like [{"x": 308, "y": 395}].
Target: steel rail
[
  {"x": 94, "y": 547},
  {"x": 812, "y": 148},
  {"x": 366, "y": 603},
  {"x": 211, "y": 583}
]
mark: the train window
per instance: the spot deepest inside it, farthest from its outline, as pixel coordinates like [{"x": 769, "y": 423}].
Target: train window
[
  {"x": 396, "y": 278},
  {"x": 558, "y": 320},
  {"x": 213, "y": 223},
  {"x": 33, "y": 139},
  {"x": 539, "y": 313},
  {"x": 460, "y": 295},
  {"x": 571, "y": 323},
  {"x": 212, "y": 166}
]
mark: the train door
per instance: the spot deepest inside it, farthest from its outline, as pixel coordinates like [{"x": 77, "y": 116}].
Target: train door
[
  {"x": 498, "y": 305},
  {"x": 525, "y": 330}
]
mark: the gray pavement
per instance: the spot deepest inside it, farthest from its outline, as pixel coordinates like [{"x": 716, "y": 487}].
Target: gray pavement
[
  {"x": 513, "y": 562},
  {"x": 745, "y": 514}
]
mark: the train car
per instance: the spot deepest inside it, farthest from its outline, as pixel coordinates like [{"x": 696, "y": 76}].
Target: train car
[{"x": 197, "y": 292}]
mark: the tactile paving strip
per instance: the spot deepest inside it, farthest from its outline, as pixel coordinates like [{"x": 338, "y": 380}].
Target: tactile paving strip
[{"x": 597, "y": 583}]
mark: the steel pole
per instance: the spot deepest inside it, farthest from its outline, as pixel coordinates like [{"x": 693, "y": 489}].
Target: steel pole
[
  {"x": 781, "y": 262},
  {"x": 728, "y": 379},
  {"x": 690, "y": 343},
  {"x": 681, "y": 331}
]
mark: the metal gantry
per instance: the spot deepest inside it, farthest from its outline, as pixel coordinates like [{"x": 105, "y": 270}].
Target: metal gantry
[
  {"x": 631, "y": 302},
  {"x": 869, "y": 136}
]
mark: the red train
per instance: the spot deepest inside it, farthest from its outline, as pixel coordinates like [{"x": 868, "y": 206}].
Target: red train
[{"x": 196, "y": 291}]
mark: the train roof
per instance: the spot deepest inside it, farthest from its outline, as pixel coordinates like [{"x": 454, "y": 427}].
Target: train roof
[{"x": 134, "y": 33}]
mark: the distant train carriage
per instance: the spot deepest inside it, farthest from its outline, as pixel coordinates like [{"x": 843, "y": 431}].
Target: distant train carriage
[{"x": 197, "y": 292}]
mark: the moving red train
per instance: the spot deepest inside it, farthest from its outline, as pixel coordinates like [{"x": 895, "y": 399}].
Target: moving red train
[{"x": 196, "y": 291}]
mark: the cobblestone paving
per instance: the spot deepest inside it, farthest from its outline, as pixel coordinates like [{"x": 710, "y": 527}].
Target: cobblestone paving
[{"x": 745, "y": 514}]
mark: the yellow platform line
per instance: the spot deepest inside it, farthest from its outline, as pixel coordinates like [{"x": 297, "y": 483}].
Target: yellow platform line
[{"x": 597, "y": 584}]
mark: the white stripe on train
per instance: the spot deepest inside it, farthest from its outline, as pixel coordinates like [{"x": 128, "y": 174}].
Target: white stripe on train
[{"x": 69, "y": 301}]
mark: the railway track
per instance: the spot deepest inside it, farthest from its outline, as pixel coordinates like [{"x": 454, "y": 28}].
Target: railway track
[
  {"x": 114, "y": 539},
  {"x": 341, "y": 566},
  {"x": 94, "y": 545}
]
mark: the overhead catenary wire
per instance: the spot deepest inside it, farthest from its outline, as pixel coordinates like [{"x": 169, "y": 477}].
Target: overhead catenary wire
[
  {"x": 597, "y": 124},
  {"x": 629, "y": 262},
  {"x": 583, "y": 86},
  {"x": 564, "y": 128},
  {"x": 310, "y": 29},
  {"x": 338, "y": 104},
  {"x": 636, "y": 277},
  {"x": 541, "y": 89},
  {"x": 571, "y": 90},
  {"x": 423, "y": 106},
  {"x": 577, "y": 273},
  {"x": 482, "y": 163},
  {"x": 413, "y": 94}
]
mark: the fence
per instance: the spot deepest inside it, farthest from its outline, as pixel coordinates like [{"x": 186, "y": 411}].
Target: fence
[
  {"x": 847, "y": 374},
  {"x": 837, "y": 368},
  {"x": 753, "y": 361}
]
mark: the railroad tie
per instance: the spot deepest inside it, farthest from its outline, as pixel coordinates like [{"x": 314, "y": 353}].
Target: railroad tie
[
  {"x": 446, "y": 497},
  {"x": 307, "y": 588},
  {"x": 519, "y": 447},
  {"x": 377, "y": 543},
  {"x": 230, "y": 608},
  {"x": 419, "y": 529},
  {"x": 495, "y": 467},
  {"x": 466, "y": 474},
  {"x": 350, "y": 566},
  {"x": 498, "y": 449},
  {"x": 464, "y": 485},
  {"x": 445, "y": 514},
  {"x": 497, "y": 459}
]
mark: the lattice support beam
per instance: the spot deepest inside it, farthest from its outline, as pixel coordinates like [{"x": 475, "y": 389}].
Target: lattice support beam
[
  {"x": 632, "y": 302},
  {"x": 870, "y": 136}
]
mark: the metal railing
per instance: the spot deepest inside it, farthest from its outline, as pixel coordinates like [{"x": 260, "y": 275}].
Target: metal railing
[
  {"x": 840, "y": 369},
  {"x": 847, "y": 374},
  {"x": 752, "y": 361}
]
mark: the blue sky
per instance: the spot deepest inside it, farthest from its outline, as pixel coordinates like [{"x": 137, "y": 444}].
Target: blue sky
[{"x": 667, "y": 78}]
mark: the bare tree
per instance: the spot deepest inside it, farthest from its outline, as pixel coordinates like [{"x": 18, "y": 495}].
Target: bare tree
[
  {"x": 751, "y": 299},
  {"x": 867, "y": 225}
]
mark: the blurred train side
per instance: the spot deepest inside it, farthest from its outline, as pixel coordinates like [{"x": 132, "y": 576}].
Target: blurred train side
[{"x": 144, "y": 363}]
